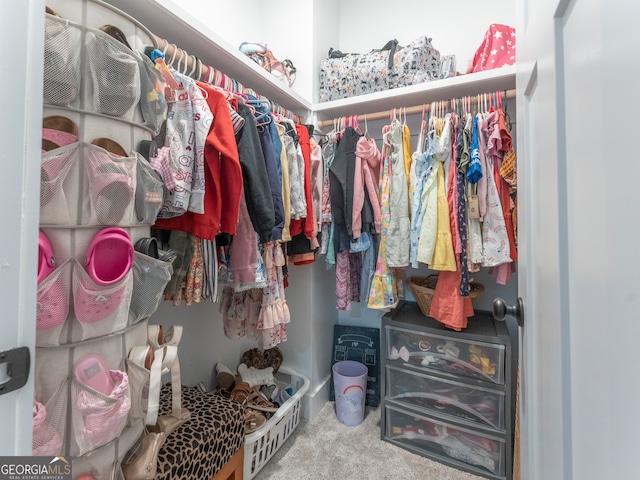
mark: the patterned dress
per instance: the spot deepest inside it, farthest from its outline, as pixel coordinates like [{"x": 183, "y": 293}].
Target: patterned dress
[{"x": 383, "y": 294}]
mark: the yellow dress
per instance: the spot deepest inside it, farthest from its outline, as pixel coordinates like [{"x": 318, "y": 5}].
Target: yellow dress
[
  {"x": 408, "y": 160},
  {"x": 443, "y": 255}
]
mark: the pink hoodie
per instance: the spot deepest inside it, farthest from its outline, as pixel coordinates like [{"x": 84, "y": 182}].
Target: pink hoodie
[{"x": 367, "y": 173}]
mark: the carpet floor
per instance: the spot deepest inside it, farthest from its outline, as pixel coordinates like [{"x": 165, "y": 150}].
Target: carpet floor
[{"x": 326, "y": 449}]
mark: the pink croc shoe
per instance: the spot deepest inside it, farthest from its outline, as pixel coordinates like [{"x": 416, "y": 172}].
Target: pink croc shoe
[
  {"x": 109, "y": 256},
  {"x": 46, "y": 261},
  {"x": 109, "y": 259},
  {"x": 53, "y": 302}
]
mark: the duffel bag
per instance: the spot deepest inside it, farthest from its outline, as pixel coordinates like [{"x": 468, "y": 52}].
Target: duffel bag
[{"x": 345, "y": 75}]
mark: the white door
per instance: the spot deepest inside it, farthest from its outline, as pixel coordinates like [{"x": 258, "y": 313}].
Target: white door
[
  {"x": 579, "y": 171},
  {"x": 21, "y": 37}
]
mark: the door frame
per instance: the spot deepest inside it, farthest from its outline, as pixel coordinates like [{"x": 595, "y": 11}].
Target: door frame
[{"x": 22, "y": 34}]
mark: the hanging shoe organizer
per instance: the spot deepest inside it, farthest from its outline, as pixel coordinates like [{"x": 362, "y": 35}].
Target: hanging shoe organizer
[{"x": 98, "y": 197}]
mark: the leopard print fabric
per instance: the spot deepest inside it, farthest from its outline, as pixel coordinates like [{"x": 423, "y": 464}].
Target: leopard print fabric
[{"x": 199, "y": 449}]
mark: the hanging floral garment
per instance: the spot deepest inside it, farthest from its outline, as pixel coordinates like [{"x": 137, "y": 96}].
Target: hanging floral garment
[
  {"x": 383, "y": 294},
  {"x": 274, "y": 312}
]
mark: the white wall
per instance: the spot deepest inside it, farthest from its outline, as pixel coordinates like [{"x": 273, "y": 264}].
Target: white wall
[
  {"x": 326, "y": 33},
  {"x": 204, "y": 342},
  {"x": 285, "y": 29},
  {"x": 455, "y": 27},
  {"x": 232, "y": 21}
]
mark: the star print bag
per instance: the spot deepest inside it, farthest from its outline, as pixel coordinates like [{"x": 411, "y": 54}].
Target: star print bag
[{"x": 497, "y": 49}]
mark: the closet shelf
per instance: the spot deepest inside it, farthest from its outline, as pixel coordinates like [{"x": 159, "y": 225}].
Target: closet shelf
[
  {"x": 168, "y": 20},
  {"x": 471, "y": 84}
]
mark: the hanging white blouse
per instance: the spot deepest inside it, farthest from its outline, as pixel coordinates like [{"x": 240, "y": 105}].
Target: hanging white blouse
[
  {"x": 295, "y": 160},
  {"x": 189, "y": 120}
]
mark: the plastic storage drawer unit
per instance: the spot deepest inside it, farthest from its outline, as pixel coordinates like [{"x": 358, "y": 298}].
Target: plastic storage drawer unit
[
  {"x": 471, "y": 450},
  {"x": 446, "y": 398},
  {"x": 476, "y": 359}
]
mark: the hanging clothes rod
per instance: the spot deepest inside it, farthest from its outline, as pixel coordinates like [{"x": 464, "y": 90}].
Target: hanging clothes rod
[
  {"x": 192, "y": 66},
  {"x": 410, "y": 110}
]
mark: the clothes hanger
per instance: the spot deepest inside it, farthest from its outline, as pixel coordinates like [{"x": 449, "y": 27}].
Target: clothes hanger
[
  {"x": 194, "y": 66},
  {"x": 507, "y": 117},
  {"x": 241, "y": 97},
  {"x": 264, "y": 114},
  {"x": 173, "y": 55},
  {"x": 432, "y": 115},
  {"x": 158, "y": 59},
  {"x": 263, "y": 119},
  {"x": 185, "y": 69},
  {"x": 366, "y": 128},
  {"x": 262, "y": 102},
  {"x": 179, "y": 64},
  {"x": 199, "y": 62},
  {"x": 357, "y": 126},
  {"x": 166, "y": 47}
]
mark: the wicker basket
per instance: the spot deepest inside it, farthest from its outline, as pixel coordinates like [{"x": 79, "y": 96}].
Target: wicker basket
[{"x": 423, "y": 289}]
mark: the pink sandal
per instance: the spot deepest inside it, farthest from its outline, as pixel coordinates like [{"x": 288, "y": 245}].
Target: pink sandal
[
  {"x": 112, "y": 188},
  {"x": 103, "y": 419},
  {"x": 58, "y": 131}
]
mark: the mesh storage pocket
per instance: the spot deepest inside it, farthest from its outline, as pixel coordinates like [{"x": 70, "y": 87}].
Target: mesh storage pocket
[
  {"x": 97, "y": 418},
  {"x": 113, "y": 78},
  {"x": 152, "y": 101},
  {"x": 45, "y": 440},
  {"x": 150, "y": 277},
  {"x": 61, "y": 62},
  {"x": 104, "y": 462},
  {"x": 58, "y": 188},
  {"x": 49, "y": 423},
  {"x": 139, "y": 388},
  {"x": 112, "y": 184},
  {"x": 149, "y": 192},
  {"x": 100, "y": 464},
  {"x": 100, "y": 310},
  {"x": 52, "y": 309}
]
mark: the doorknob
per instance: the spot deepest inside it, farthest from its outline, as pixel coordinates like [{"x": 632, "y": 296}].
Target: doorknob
[{"x": 501, "y": 310}]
